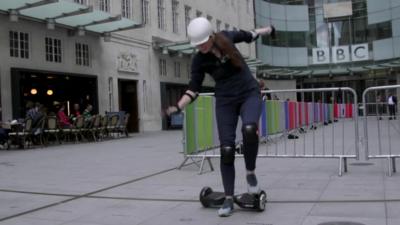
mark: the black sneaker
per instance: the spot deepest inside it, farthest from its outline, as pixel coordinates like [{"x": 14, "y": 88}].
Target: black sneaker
[
  {"x": 226, "y": 208},
  {"x": 252, "y": 184}
]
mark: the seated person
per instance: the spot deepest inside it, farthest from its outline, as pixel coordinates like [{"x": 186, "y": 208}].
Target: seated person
[
  {"x": 87, "y": 113},
  {"x": 76, "y": 112},
  {"x": 63, "y": 118},
  {"x": 3, "y": 137}
]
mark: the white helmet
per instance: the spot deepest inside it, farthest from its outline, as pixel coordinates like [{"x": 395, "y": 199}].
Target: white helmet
[{"x": 199, "y": 30}]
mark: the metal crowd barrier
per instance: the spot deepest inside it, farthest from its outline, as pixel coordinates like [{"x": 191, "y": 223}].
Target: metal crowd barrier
[
  {"x": 287, "y": 129},
  {"x": 381, "y": 131}
]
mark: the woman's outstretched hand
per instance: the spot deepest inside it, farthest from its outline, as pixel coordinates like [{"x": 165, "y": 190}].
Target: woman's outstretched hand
[
  {"x": 266, "y": 30},
  {"x": 169, "y": 110}
]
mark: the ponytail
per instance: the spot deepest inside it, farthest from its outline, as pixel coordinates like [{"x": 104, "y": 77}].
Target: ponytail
[{"x": 226, "y": 47}]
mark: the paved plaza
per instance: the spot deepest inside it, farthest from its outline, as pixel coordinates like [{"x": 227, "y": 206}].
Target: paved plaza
[{"x": 135, "y": 180}]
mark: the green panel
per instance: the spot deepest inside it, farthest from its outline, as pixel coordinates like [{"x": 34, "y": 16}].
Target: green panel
[
  {"x": 331, "y": 111},
  {"x": 274, "y": 116},
  {"x": 190, "y": 143},
  {"x": 204, "y": 131},
  {"x": 270, "y": 111},
  {"x": 277, "y": 114}
]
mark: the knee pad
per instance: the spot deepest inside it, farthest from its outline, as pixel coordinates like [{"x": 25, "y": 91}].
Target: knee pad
[
  {"x": 250, "y": 133},
  {"x": 227, "y": 154}
]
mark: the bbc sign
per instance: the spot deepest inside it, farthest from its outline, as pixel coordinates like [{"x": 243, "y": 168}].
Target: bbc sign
[{"x": 340, "y": 54}]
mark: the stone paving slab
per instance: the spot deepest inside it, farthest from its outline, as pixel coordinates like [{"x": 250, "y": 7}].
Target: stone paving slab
[{"x": 135, "y": 181}]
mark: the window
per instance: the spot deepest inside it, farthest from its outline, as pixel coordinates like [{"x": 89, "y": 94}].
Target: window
[
  {"x": 19, "y": 44},
  {"x": 146, "y": 18},
  {"x": 296, "y": 39},
  {"x": 218, "y": 25},
  {"x": 287, "y": 2},
  {"x": 161, "y": 14},
  {"x": 359, "y": 9},
  {"x": 53, "y": 50},
  {"x": 360, "y": 31},
  {"x": 177, "y": 66},
  {"x": 291, "y": 39},
  {"x": 163, "y": 67},
  {"x": 82, "y": 54},
  {"x": 83, "y": 2},
  {"x": 379, "y": 31},
  {"x": 104, "y": 5},
  {"x": 187, "y": 16},
  {"x": 175, "y": 14},
  {"x": 126, "y": 8}
]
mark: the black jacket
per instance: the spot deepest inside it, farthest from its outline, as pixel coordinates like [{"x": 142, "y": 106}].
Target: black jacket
[{"x": 229, "y": 81}]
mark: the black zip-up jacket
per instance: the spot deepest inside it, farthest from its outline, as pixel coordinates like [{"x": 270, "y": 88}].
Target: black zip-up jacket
[{"x": 229, "y": 81}]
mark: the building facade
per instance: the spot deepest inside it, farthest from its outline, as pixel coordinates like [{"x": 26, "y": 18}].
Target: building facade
[
  {"x": 333, "y": 43},
  {"x": 46, "y": 60}
]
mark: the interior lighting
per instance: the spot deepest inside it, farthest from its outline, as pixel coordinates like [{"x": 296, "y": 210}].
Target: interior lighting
[
  {"x": 49, "y": 92},
  {"x": 34, "y": 91}
]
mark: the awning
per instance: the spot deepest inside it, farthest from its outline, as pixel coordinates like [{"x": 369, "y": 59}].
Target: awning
[
  {"x": 185, "y": 48},
  {"x": 66, "y": 14},
  {"x": 269, "y": 72}
]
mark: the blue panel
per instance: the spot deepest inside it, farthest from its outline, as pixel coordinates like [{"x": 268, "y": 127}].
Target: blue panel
[
  {"x": 298, "y": 25},
  {"x": 279, "y": 24},
  {"x": 395, "y": 12},
  {"x": 396, "y": 27},
  {"x": 280, "y": 56},
  {"x": 374, "y": 6},
  {"x": 298, "y": 57},
  {"x": 297, "y": 12},
  {"x": 278, "y": 12},
  {"x": 394, "y": 3},
  {"x": 264, "y": 8},
  {"x": 265, "y": 54},
  {"x": 383, "y": 49},
  {"x": 396, "y": 43},
  {"x": 380, "y": 16}
]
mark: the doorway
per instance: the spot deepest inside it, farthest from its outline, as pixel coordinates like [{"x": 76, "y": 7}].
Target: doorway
[{"x": 128, "y": 102}]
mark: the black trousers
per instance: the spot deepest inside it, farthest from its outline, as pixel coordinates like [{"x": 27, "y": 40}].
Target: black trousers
[
  {"x": 228, "y": 111},
  {"x": 392, "y": 110}
]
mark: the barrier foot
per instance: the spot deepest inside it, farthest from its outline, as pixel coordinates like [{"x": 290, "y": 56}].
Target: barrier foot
[
  {"x": 342, "y": 165},
  {"x": 392, "y": 166},
  {"x": 202, "y": 165},
  {"x": 210, "y": 163},
  {"x": 183, "y": 163}
]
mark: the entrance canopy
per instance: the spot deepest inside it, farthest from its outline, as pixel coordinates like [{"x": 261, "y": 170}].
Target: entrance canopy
[
  {"x": 66, "y": 14},
  {"x": 274, "y": 72},
  {"x": 185, "y": 48}
]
